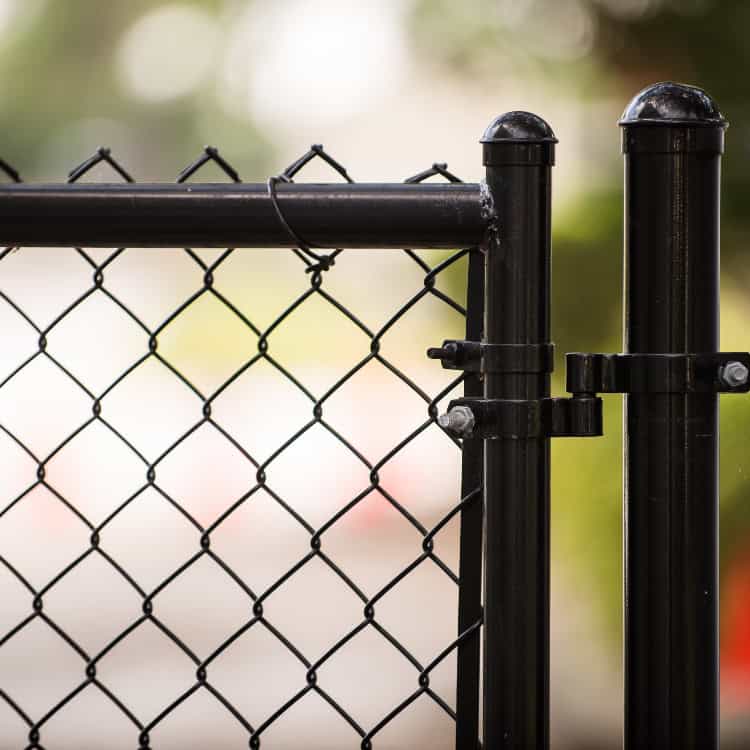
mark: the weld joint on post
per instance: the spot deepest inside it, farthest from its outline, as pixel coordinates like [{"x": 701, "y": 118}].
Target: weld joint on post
[{"x": 489, "y": 214}]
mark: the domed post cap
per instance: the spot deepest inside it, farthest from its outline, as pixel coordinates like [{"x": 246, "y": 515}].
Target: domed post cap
[
  {"x": 673, "y": 104},
  {"x": 518, "y": 138},
  {"x": 519, "y": 127},
  {"x": 671, "y": 118}
]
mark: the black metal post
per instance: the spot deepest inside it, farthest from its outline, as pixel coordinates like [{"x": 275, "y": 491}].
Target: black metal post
[
  {"x": 472, "y": 517},
  {"x": 673, "y": 137},
  {"x": 518, "y": 154}
]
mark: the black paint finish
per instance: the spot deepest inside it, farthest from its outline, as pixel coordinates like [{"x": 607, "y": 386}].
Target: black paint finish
[
  {"x": 227, "y": 215},
  {"x": 518, "y": 153},
  {"x": 672, "y": 140}
]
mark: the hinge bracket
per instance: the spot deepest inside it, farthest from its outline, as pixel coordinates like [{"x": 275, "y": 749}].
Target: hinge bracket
[
  {"x": 587, "y": 375},
  {"x": 492, "y": 419},
  {"x": 725, "y": 372},
  {"x": 579, "y": 416}
]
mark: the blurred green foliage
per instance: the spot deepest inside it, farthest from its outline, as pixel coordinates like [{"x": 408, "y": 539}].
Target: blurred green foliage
[{"x": 58, "y": 71}]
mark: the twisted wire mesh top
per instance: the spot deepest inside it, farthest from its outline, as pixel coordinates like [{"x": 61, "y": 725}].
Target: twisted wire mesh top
[{"x": 36, "y": 494}]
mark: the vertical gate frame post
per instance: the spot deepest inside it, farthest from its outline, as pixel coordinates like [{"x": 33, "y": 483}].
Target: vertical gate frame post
[
  {"x": 472, "y": 518},
  {"x": 518, "y": 150},
  {"x": 673, "y": 137}
]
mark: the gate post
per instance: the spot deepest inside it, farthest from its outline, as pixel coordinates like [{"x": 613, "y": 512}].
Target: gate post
[
  {"x": 518, "y": 152},
  {"x": 673, "y": 137}
]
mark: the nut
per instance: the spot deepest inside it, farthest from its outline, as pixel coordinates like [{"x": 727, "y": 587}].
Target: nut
[
  {"x": 459, "y": 421},
  {"x": 734, "y": 374}
]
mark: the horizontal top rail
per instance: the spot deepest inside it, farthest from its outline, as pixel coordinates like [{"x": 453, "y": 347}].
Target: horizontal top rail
[{"x": 242, "y": 215}]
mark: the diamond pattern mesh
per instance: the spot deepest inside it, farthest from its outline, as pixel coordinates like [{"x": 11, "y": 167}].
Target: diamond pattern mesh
[{"x": 212, "y": 511}]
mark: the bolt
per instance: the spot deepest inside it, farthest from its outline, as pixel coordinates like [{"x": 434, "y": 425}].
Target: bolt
[
  {"x": 447, "y": 352},
  {"x": 459, "y": 421},
  {"x": 734, "y": 374}
]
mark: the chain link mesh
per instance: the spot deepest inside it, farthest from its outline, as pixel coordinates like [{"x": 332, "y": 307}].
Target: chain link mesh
[{"x": 315, "y": 266}]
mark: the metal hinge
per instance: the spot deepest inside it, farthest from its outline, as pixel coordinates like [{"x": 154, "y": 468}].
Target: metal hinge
[
  {"x": 492, "y": 419},
  {"x": 579, "y": 416},
  {"x": 587, "y": 376},
  {"x": 726, "y": 372}
]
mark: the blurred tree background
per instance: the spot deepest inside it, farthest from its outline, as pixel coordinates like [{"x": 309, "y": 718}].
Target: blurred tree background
[{"x": 157, "y": 80}]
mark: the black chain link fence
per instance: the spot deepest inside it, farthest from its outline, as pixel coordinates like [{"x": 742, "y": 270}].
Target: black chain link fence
[{"x": 27, "y": 666}]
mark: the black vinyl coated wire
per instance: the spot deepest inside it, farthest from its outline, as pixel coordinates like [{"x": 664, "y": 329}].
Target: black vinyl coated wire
[{"x": 317, "y": 265}]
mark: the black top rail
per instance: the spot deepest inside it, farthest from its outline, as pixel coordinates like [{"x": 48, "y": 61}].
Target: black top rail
[{"x": 242, "y": 215}]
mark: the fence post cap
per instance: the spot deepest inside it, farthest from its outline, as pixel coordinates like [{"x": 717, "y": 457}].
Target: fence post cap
[
  {"x": 518, "y": 127},
  {"x": 673, "y": 104}
]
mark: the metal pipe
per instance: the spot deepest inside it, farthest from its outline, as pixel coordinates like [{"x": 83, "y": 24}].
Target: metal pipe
[
  {"x": 472, "y": 517},
  {"x": 673, "y": 137},
  {"x": 241, "y": 215},
  {"x": 518, "y": 154}
]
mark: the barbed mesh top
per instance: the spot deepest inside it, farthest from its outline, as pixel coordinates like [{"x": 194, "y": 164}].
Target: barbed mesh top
[{"x": 227, "y": 512}]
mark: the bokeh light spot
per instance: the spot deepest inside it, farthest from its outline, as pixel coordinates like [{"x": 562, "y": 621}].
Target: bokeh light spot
[
  {"x": 7, "y": 11},
  {"x": 167, "y": 53},
  {"x": 314, "y": 60}
]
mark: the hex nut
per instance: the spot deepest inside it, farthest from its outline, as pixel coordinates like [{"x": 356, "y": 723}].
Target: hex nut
[
  {"x": 459, "y": 421},
  {"x": 734, "y": 374}
]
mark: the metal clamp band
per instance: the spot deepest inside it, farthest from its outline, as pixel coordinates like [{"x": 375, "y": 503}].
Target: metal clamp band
[
  {"x": 580, "y": 416},
  {"x": 658, "y": 373},
  {"x": 473, "y": 356}
]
